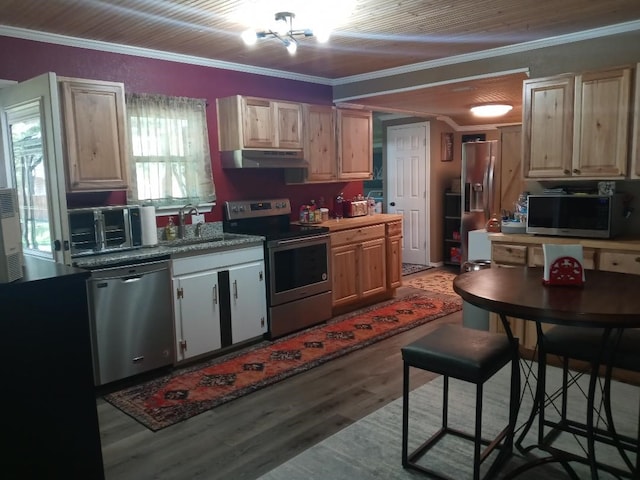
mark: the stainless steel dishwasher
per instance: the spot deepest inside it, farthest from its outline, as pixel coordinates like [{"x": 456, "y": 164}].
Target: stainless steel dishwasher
[{"x": 131, "y": 321}]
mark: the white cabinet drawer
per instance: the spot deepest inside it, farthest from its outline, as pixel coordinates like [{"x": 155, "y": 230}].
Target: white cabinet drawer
[{"x": 214, "y": 261}]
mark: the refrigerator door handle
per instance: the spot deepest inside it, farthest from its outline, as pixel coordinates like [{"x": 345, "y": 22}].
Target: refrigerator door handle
[{"x": 488, "y": 187}]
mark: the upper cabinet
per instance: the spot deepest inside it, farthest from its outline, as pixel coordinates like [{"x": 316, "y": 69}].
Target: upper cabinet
[
  {"x": 355, "y": 138},
  {"x": 337, "y": 145},
  {"x": 601, "y": 125},
  {"x": 248, "y": 122},
  {"x": 547, "y": 127},
  {"x": 94, "y": 121},
  {"x": 635, "y": 135},
  {"x": 577, "y": 126},
  {"x": 320, "y": 143}
]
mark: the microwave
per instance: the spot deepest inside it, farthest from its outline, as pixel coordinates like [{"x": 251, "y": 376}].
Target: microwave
[
  {"x": 104, "y": 229},
  {"x": 577, "y": 215}
]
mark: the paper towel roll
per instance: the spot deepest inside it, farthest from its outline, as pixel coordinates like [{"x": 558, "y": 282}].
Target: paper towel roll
[{"x": 149, "y": 228}]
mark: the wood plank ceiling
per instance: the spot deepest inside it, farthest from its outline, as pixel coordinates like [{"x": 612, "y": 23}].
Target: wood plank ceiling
[{"x": 379, "y": 34}]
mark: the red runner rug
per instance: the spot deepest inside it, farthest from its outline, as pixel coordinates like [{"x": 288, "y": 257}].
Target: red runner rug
[{"x": 190, "y": 391}]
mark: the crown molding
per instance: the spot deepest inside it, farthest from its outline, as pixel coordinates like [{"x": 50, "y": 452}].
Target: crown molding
[
  {"x": 434, "y": 84},
  {"x": 57, "y": 39},
  {"x": 494, "y": 52},
  {"x": 54, "y": 38}
]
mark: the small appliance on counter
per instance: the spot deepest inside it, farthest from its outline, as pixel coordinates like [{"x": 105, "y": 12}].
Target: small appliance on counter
[
  {"x": 355, "y": 208},
  {"x": 98, "y": 230}
]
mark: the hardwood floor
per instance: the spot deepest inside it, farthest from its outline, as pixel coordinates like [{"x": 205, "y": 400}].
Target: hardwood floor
[{"x": 247, "y": 437}]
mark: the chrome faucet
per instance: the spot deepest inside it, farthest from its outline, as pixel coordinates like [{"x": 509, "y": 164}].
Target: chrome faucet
[{"x": 181, "y": 215}]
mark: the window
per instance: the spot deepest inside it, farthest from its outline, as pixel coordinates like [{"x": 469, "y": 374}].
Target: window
[{"x": 170, "y": 164}]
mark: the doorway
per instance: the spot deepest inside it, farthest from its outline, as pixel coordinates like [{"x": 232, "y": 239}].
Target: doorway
[{"x": 407, "y": 177}]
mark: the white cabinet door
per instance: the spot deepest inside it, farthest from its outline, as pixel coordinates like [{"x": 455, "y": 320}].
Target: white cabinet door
[
  {"x": 248, "y": 301},
  {"x": 197, "y": 314}
]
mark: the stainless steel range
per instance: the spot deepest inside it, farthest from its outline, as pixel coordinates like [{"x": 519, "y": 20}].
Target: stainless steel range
[{"x": 297, "y": 262}]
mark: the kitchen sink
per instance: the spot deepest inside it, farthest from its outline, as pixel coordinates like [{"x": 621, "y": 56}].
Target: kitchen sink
[
  {"x": 221, "y": 237},
  {"x": 192, "y": 240}
]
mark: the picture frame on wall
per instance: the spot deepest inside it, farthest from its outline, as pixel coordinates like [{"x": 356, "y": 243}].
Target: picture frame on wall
[{"x": 447, "y": 146}]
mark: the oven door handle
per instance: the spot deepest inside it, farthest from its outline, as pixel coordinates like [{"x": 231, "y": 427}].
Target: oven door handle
[{"x": 282, "y": 243}]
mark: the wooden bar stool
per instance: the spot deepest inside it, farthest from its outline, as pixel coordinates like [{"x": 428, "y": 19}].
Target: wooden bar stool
[{"x": 473, "y": 356}]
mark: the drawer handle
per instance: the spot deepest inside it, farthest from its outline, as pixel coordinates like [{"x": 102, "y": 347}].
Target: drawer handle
[{"x": 637, "y": 259}]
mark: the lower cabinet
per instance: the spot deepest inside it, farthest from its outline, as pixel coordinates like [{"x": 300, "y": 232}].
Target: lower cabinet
[
  {"x": 358, "y": 263},
  {"x": 394, "y": 254},
  {"x": 219, "y": 300}
]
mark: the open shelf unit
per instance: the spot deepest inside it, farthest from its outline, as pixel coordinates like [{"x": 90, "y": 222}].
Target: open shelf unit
[{"x": 451, "y": 231}]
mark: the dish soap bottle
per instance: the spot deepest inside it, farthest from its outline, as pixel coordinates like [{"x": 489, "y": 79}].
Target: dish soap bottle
[{"x": 170, "y": 230}]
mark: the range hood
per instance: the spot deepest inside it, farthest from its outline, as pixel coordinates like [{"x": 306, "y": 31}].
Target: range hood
[{"x": 263, "y": 159}]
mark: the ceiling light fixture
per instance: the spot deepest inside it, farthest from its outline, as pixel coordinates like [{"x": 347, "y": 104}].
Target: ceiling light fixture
[
  {"x": 283, "y": 30},
  {"x": 491, "y": 110}
]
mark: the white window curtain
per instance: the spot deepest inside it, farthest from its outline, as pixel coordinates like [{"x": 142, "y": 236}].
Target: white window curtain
[{"x": 170, "y": 164}]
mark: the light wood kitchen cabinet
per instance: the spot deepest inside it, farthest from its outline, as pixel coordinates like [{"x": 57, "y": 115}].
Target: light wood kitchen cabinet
[
  {"x": 249, "y": 122},
  {"x": 536, "y": 257},
  {"x": 511, "y": 180},
  {"x": 337, "y": 145},
  {"x": 547, "y": 127},
  {"x": 358, "y": 264},
  {"x": 394, "y": 254},
  {"x": 635, "y": 132},
  {"x": 219, "y": 300},
  {"x": 601, "y": 123},
  {"x": 355, "y": 137},
  {"x": 577, "y": 126},
  {"x": 320, "y": 143},
  {"x": 95, "y": 134},
  {"x": 619, "y": 261}
]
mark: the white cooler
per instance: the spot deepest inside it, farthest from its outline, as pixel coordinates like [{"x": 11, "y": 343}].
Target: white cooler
[{"x": 479, "y": 258}]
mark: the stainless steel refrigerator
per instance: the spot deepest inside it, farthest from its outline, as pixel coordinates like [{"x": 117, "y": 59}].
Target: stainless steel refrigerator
[{"x": 478, "y": 189}]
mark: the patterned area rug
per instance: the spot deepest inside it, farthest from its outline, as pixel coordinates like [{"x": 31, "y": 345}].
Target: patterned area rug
[
  {"x": 409, "y": 268},
  {"x": 184, "y": 393},
  {"x": 437, "y": 281}
]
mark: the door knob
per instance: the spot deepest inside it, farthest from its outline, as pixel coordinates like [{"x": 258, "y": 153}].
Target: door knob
[{"x": 393, "y": 204}]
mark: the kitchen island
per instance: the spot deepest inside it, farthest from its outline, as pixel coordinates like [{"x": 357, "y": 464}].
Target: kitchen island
[{"x": 50, "y": 423}]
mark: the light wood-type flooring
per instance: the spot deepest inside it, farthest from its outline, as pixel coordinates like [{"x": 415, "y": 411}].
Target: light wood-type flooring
[{"x": 249, "y": 436}]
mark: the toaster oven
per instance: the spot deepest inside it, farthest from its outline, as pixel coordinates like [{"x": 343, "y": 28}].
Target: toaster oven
[
  {"x": 355, "y": 208},
  {"x": 104, "y": 229}
]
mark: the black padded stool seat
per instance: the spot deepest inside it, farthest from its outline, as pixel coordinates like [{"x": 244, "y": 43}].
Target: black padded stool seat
[
  {"x": 584, "y": 344},
  {"x": 473, "y": 356}
]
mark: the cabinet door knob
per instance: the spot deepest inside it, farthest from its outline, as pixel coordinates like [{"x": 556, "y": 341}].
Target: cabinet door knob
[
  {"x": 393, "y": 204},
  {"x": 575, "y": 170}
]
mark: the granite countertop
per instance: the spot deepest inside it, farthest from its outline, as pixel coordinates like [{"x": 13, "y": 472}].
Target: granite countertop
[{"x": 168, "y": 249}]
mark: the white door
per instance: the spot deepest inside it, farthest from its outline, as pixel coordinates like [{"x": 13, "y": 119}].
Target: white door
[
  {"x": 32, "y": 162},
  {"x": 248, "y": 301},
  {"x": 407, "y": 180},
  {"x": 197, "y": 314}
]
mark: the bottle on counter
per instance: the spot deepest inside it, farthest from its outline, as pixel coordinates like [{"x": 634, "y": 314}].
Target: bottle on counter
[
  {"x": 338, "y": 206},
  {"x": 170, "y": 231}
]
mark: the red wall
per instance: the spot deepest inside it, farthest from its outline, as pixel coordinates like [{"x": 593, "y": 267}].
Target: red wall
[{"x": 23, "y": 59}]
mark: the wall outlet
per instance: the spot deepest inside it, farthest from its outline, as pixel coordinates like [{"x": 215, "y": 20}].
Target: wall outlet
[{"x": 197, "y": 219}]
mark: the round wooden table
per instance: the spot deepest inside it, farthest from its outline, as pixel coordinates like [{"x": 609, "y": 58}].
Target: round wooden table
[{"x": 607, "y": 300}]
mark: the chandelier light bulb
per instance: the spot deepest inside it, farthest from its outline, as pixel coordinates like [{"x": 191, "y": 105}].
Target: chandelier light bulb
[
  {"x": 322, "y": 35},
  {"x": 491, "y": 110},
  {"x": 292, "y": 47},
  {"x": 249, "y": 37}
]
